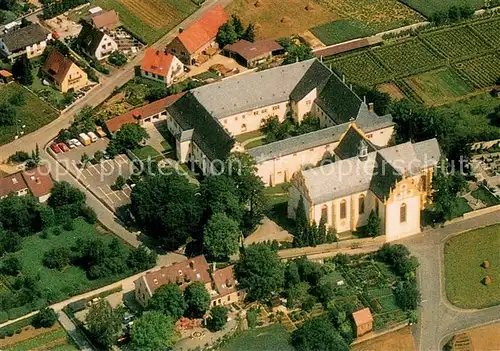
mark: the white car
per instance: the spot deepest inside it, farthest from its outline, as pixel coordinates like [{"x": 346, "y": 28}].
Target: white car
[
  {"x": 70, "y": 144},
  {"x": 76, "y": 142}
]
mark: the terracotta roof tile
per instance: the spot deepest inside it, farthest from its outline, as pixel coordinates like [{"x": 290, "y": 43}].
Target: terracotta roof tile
[
  {"x": 362, "y": 317},
  {"x": 157, "y": 62},
  {"x": 107, "y": 19},
  {"x": 142, "y": 112},
  {"x": 203, "y": 30},
  {"x": 5, "y": 73},
  {"x": 39, "y": 181},
  {"x": 182, "y": 273},
  {"x": 57, "y": 66},
  {"x": 224, "y": 280},
  {"x": 12, "y": 183}
]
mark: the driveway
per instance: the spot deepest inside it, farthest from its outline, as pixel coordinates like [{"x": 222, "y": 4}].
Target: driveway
[{"x": 439, "y": 319}]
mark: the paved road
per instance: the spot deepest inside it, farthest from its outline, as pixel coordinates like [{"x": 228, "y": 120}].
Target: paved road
[{"x": 439, "y": 319}]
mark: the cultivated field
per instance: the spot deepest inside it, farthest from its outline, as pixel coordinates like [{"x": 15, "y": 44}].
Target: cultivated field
[
  {"x": 392, "y": 89},
  {"x": 150, "y": 19},
  {"x": 274, "y": 337},
  {"x": 33, "y": 115},
  {"x": 342, "y": 30},
  {"x": 457, "y": 42},
  {"x": 55, "y": 339},
  {"x": 436, "y": 87},
  {"x": 428, "y": 7},
  {"x": 380, "y": 15},
  {"x": 278, "y": 18},
  {"x": 486, "y": 338},
  {"x": 464, "y": 273},
  {"x": 436, "y": 67},
  {"x": 398, "y": 340}
]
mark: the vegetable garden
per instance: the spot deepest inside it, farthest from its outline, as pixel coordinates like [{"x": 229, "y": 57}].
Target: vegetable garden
[{"x": 428, "y": 7}]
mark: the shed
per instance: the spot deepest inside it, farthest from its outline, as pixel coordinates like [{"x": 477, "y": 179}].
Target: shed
[
  {"x": 363, "y": 320},
  {"x": 6, "y": 76},
  {"x": 251, "y": 54}
]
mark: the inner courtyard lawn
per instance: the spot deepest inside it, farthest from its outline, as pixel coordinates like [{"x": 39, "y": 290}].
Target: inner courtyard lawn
[{"x": 464, "y": 273}]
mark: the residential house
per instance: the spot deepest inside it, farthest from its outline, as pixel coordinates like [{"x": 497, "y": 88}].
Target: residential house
[
  {"x": 250, "y": 54},
  {"x": 206, "y": 120},
  {"x": 105, "y": 20},
  {"x": 150, "y": 113},
  {"x": 363, "y": 321},
  {"x": 161, "y": 67},
  {"x": 225, "y": 289},
  {"x": 95, "y": 43},
  {"x": 198, "y": 37},
  {"x": 64, "y": 73},
  {"x": 30, "y": 40},
  {"x": 221, "y": 284},
  {"x": 37, "y": 182},
  {"x": 394, "y": 182}
]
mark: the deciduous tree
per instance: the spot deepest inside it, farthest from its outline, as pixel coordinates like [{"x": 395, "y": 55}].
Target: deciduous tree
[
  {"x": 153, "y": 331},
  {"x": 218, "y": 318},
  {"x": 197, "y": 300},
  {"x": 104, "y": 323},
  {"x": 221, "y": 237},
  {"x": 318, "y": 334},
  {"x": 169, "y": 300}
]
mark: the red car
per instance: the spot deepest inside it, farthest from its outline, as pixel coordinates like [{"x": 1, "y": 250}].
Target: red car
[
  {"x": 55, "y": 147},
  {"x": 63, "y": 147}
]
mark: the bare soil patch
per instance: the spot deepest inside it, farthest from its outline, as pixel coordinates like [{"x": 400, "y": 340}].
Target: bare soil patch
[
  {"x": 398, "y": 340},
  {"x": 486, "y": 338},
  {"x": 392, "y": 89}
]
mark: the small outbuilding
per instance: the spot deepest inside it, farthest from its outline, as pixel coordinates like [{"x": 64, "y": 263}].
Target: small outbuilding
[
  {"x": 250, "y": 54},
  {"x": 363, "y": 320},
  {"x": 6, "y": 76}
]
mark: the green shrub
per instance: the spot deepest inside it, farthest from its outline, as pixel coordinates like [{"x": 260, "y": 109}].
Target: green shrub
[
  {"x": 17, "y": 312},
  {"x": 69, "y": 225},
  {"x": 56, "y": 231},
  {"x": 4, "y": 317}
]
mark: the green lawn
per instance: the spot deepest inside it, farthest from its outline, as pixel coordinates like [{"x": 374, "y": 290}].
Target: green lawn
[
  {"x": 485, "y": 196},
  {"x": 33, "y": 115},
  {"x": 428, "y": 7},
  {"x": 342, "y": 30},
  {"x": 274, "y": 337},
  {"x": 463, "y": 257},
  {"x": 58, "y": 285},
  {"x": 250, "y": 135},
  {"x": 437, "y": 87},
  {"x": 147, "y": 152},
  {"x": 44, "y": 341},
  {"x": 463, "y": 207}
]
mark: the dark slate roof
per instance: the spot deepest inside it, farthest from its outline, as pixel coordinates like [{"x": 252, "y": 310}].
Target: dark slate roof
[
  {"x": 370, "y": 121},
  {"x": 338, "y": 101},
  {"x": 89, "y": 38},
  {"x": 208, "y": 134},
  {"x": 349, "y": 144},
  {"x": 23, "y": 37},
  {"x": 384, "y": 178},
  {"x": 315, "y": 76},
  {"x": 298, "y": 143}
]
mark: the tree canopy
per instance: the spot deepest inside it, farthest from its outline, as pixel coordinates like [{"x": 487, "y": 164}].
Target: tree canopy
[
  {"x": 318, "y": 334},
  {"x": 445, "y": 196},
  {"x": 167, "y": 207},
  {"x": 8, "y": 114},
  {"x": 130, "y": 136},
  {"x": 169, "y": 300},
  {"x": 218, "y": 318},
  {"x": 260, "y": 271},
  {"x": 104, "y": 323},
  {"x": 296, "y": 51},
  {"x": 221, "y": 237},
  {"x": 153, "y": 331},
  {"x": 197, "y": 300}
]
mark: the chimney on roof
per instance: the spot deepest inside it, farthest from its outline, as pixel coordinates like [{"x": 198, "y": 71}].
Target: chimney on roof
[
  {"x": 181, "y": 30},
  {"x": 371, "y": 107},
  {"x": 136, "y": 114},
  {"x": 228, "y": 283},
  {"x": 157, "y": 52},
  {"x": 191, "y": 264},
  {"x": 37, "y": 180}
]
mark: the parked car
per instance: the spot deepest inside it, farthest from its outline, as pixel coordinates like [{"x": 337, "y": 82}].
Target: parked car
[
  {"x": 100, "y": 132},
  {"x": 84, "y": 139},
  {"x": 92, "y": 136},
  {"x": 71, "y": 144},
  {"x": 63, "y": 147},
  {"x": 55, "y": 148},
  {"x": 76, "y": 142}
]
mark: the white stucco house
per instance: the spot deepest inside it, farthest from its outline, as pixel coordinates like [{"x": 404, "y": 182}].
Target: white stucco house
[{"x": 95, "y": 43}]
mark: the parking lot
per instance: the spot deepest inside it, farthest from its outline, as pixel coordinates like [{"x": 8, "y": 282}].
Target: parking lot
[{"x": 100, "y": 177}]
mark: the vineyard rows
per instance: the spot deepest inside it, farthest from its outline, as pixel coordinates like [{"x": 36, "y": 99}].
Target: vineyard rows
[
  {"x": 482, "y": 71},
  {"x": 457, "y": 42},
  {"x": 362, "y": 68},
  {"x": 490, "y": 30}
]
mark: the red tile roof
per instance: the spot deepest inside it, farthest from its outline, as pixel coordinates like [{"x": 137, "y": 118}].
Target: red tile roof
[
  {"x": 12, "y": 183},
  {"x": 57, "y": 66},
  {"x": 339, "y": 48},
  {"x": 114, "y": 124},
  {"x": 362, "y": 317},
  {"x": 157, "y": 62},
  {"x": 5, "y": 73},
  {"x": 224, "y": 280},
  {"x": 182, "y": 273},
  {"x": 39, "y": 181},
  {"x": 203, "y": 30},
  {"x": 249, "y": 50},
  {"x": 107, "y": 19}
]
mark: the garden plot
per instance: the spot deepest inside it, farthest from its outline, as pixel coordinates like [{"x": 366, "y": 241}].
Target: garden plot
[
  {"x": 409, "y": 57},
  {"x": 440, "y": 86},
  {"x": 457, "y": 42},
  {"x": 429, "y": 7}
]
